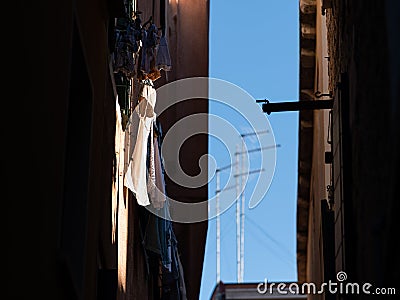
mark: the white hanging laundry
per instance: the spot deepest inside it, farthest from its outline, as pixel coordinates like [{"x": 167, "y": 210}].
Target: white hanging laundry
[{"x": 141, "y": 127}]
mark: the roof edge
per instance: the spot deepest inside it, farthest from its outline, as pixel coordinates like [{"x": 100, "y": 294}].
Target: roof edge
[{"x": 307, "y": 15}]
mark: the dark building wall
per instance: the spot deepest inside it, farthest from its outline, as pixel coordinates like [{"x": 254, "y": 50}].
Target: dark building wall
[
  {"x": 68, "y": 134},
  {"x": 364, "y": 129},
  {"x": 189, "y": 58},
  {"x": 60, "y": 165},
  {"x": 362, "y": 37}
]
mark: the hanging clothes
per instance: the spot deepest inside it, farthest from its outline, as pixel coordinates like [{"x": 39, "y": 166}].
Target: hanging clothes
[
  {"x": 158, "y": 239},
  {"x": 124, "y": 57},
  {"x": 159, "y": 232},
  {"x": 157, "y": 193},
  {"x": 133, "y": 35},
  {"x": 141, "y": 127},
  {"x": 182, "y": 285},
  {"x": 119, "y": 53},
  {"x": 127, "y": 45},
  {"x": 173, "y": 283},
  {"x": 150, "y": 42},
  {"x": 150, "y": 163},
  {"x": 163, "y": 60}
]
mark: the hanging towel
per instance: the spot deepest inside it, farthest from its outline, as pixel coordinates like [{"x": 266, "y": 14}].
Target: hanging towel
[{"x": 136, "y": 176}]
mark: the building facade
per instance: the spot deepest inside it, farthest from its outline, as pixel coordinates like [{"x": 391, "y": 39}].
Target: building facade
[
  {"x": 256, "y": 291},
  {"x": 72, "y": 239},
  {"x": 348, "y": 157}
]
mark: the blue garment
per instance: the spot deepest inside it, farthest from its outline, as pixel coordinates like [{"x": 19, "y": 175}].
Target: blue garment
[{"x": 159, "y": 236}]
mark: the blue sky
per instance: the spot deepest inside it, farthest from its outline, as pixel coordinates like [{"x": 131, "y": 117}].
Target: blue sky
[{"x": 255, "y": 45}]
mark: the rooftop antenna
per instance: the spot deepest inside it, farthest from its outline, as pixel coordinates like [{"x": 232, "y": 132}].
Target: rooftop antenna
[
  {"x": 238, "y": 188},
  {"x": 240, "y": 222},
  {"x": 218, "y": 222},
  {"x": 218, "y": 229}
]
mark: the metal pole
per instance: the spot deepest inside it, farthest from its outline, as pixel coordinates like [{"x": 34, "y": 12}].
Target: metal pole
[
  {"x": 243, "y": 199},
  {"x": 242, "y": 217},
  {"x": 218, "y": 230},
  {"x": 237, "y": 215}
]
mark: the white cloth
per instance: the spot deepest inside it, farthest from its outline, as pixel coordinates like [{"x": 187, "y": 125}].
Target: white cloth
[{"x": 141, "y": 127}]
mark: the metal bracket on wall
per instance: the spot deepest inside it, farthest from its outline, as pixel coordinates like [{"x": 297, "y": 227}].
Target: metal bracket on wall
[{"x": 269, "y": 107}]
